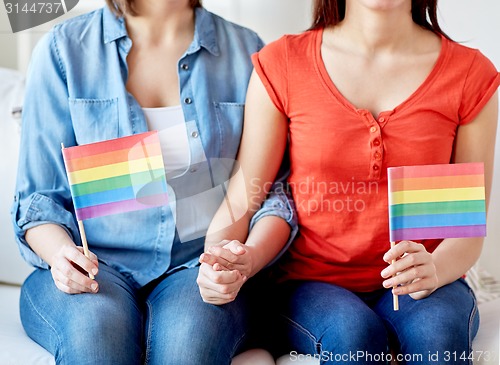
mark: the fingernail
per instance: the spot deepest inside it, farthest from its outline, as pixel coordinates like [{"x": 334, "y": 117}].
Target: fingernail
[
  {"x": 385, "y": 273},
  {"x": 94, "y": 271},
  {"x": 93, "y": 286},
  {"x": 387, "y": 283}
]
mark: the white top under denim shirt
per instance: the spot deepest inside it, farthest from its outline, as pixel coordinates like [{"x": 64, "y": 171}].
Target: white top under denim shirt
[
  {"x": 76, "y": 95},
  {"x": 174, "y": 140}
]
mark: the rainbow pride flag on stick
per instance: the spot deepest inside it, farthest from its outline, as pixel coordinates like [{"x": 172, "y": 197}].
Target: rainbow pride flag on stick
[
  {"x": 436, "y": 201},
  {"x": 116, "y": 176}
]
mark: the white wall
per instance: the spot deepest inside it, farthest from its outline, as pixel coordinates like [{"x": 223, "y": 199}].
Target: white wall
[{"x": 270, "y": 19}]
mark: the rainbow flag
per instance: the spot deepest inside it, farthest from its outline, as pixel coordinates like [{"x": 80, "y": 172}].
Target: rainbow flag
[
  {"x": 436, "y": 201},
  {"x": 116, "y": 176}
]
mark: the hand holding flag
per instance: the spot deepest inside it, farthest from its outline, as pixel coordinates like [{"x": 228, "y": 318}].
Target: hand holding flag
[
  {"x": 115, "y": 176},
  {"x": 436, "y": 201}
]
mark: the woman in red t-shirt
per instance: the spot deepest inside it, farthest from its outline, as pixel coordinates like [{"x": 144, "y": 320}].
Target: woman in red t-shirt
[{"x": 372, "y": 84}]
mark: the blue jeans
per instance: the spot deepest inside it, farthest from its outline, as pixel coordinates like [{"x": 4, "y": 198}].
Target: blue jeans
[
  {"x": 337, "y": 326},
  {"x": 165, "y": 323}
]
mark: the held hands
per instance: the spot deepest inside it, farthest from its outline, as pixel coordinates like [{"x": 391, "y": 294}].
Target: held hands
[
  {"x": 229, "y": 255},
  {"x": 414, "y": 270},
  {"x": 69, "y": 270},
  {"x": 223, "y": 271}
]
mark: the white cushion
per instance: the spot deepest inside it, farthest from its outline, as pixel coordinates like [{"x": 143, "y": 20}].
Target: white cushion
[
  {"x": 488, "y": 337},
  {"x": 16, "y": 348},
  {"x": 12, "y": 268}
]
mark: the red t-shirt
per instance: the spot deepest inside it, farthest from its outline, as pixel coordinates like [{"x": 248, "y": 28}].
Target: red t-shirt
[{"x": 339, "y": 154}]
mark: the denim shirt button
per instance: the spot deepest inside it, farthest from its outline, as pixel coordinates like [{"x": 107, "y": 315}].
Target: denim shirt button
[
  {"x": 185, "y": 66},
  {"x": 188, "y": 100},
  {"x": 194, "y": 134}
]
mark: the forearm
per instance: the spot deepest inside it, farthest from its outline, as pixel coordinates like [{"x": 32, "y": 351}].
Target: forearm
[
  {"x": 266, "y": 240},
  {"x": 454, "y": 257},
  {"x": 224, "y": 227},
  {"x": 48, "y": 239},
  {"x": 232, "y": 219}
]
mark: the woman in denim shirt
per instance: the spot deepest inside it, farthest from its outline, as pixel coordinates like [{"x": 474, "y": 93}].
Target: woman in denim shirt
[{"x": 108, "y": 74}]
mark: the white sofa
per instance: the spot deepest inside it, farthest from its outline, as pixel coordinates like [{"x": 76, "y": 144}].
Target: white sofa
[{"x": 16, "y": 348}]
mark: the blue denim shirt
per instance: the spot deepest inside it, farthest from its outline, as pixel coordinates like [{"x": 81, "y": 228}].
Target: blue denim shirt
[{"x": 76, "y": 95}]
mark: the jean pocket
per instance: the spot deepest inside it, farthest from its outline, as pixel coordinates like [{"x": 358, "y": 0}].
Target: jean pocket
[
  {"x": 94, "y": 120},
  {"x": 230, "y": 123}
]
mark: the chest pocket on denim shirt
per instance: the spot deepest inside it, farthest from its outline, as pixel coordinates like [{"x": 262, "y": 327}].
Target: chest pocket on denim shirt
[
  {"x": 230, "y": 123},
  {"x": 94, "y": 120}
]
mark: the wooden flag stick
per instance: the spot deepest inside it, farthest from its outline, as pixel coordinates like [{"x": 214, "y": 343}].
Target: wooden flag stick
[
  {"x": 83, "y": 236},
  {"x": 395, "y": 299},
  {"x": 84, "y": 243}
]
